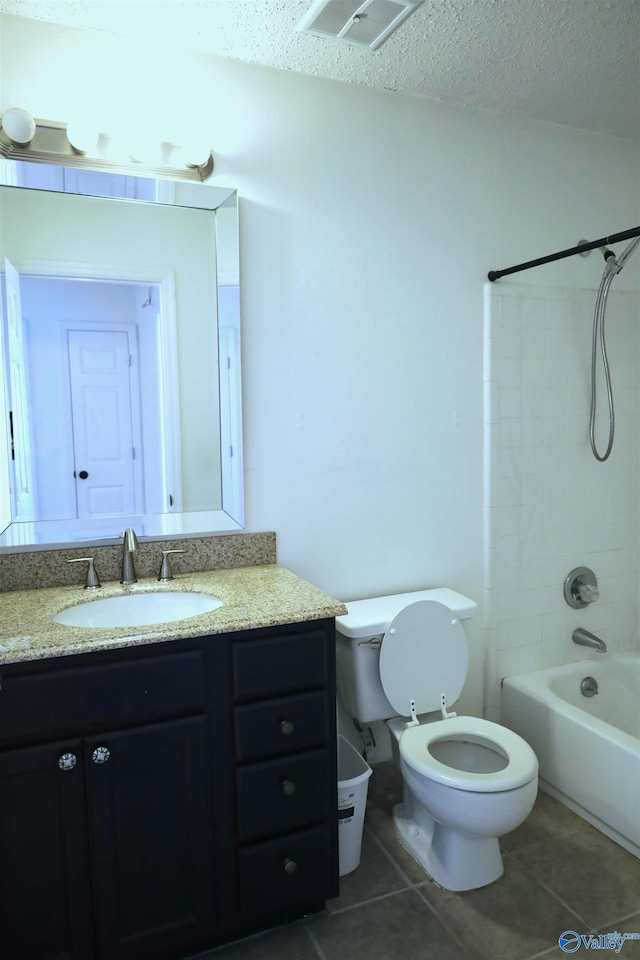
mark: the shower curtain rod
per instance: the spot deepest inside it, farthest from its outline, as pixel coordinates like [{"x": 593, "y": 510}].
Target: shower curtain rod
[{"x": 581, "y": 248}]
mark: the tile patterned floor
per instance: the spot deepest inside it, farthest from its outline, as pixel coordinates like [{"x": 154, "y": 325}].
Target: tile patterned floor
[{"x": 560, "y": 874}]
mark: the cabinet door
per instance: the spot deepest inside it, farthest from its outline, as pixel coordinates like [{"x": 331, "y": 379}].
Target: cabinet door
[
  {"x": 150, "y": 824},
  {"x": 45, "y": 911}
]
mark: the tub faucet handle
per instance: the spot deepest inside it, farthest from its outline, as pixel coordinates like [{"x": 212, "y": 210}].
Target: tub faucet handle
[
  {"x": 587, "y": 592},
  {"x": 581, "y": 588}
]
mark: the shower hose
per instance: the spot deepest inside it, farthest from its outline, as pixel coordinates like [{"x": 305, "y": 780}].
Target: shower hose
[{"x": 599, "y": 338}]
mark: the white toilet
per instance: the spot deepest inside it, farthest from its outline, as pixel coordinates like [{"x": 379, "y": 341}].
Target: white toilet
[{"x": 467, "y": 781}]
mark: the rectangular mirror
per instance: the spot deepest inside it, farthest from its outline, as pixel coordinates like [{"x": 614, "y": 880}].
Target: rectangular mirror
[{"x": 120, "y": 352}]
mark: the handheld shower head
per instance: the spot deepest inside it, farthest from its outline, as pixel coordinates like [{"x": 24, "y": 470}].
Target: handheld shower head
[
  {"x": 613, "y": 266},
  {"x": 626, "y": 253}
]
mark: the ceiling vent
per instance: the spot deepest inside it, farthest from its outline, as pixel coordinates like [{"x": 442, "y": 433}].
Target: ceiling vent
[{"x": 364, "y": 24}]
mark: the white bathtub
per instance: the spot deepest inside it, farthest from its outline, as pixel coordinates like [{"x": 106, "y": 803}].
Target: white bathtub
[{"x": 588, "y": 748}]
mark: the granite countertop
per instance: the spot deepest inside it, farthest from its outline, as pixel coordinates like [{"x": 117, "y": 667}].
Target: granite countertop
[{"x": 253, "y": 597}]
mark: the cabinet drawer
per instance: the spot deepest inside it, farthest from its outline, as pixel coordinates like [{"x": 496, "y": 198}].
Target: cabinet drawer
[
  {"x": 61, "y": 700},
  {"x": 269, "y": 667},
  {"x": 283, "y": 795},
  {"x": 286, "y": 873},
  {"x": 281, "y": 726}
]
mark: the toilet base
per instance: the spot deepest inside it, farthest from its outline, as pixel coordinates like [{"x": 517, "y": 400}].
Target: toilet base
[{"x": 455, "y": 861}]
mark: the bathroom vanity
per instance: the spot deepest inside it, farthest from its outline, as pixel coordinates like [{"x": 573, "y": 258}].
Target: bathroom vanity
[{"x": 166, "y": 789}]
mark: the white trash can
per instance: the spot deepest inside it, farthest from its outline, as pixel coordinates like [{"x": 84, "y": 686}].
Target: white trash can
[{"x": 353, "y": 776}]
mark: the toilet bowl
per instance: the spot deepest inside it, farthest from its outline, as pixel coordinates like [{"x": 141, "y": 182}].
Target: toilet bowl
[{"x": 467, "y": 781}]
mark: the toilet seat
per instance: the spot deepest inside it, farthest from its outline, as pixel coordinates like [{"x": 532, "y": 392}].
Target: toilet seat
[{"x": 522, "y": 763}]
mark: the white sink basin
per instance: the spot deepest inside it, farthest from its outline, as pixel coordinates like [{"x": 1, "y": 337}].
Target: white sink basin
[{"x": 137, "y": 609}]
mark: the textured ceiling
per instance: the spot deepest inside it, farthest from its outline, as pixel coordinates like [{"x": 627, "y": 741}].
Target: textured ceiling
[{"x": 574, "y": 62}]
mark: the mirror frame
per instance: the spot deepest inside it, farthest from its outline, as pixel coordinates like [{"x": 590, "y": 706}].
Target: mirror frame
[{"x": 22, "y": 536}]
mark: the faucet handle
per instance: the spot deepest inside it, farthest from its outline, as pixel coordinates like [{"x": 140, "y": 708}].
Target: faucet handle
[
  {"x": 586, "y": 592},
  {"x": 92, "y": 582},
  {"x": 165, "y": 567}
]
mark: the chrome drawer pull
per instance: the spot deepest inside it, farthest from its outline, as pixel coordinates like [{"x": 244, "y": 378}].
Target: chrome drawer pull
[
  {"x": 290, "y": 866},
  {"x": 286, "y": 728},
  {"x": 288, "y": 787},
  {"x": 101, "y": 754},
  {"x": 67, "y": 761}
]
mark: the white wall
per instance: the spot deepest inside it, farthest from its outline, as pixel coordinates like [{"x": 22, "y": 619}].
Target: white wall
[{"x": 368, "y": 223}]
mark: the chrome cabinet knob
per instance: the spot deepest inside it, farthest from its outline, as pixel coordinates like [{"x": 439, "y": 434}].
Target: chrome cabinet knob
[
  {"x": 286, "y": 728},
  {"x": 101, "y": 755},
  {"x": 288, "y": 787},
  {"x": 67, "y": 761},
  {"x": 290, "y": 866}
]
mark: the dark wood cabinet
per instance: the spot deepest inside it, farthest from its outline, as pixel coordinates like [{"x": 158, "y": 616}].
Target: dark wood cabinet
[
  {"x": 156, "y": 801},
  {"x": 150, "y": 831},
  {"x": 45, "y": 906},
  {"x": 286, "y": 781}
]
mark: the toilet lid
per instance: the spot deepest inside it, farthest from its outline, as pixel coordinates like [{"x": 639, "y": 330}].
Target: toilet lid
[{"x": 424, "y": 653}]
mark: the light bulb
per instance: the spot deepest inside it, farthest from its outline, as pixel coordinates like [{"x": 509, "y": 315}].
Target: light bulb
[
  {"x": 196, "y": 153},
  {"x": 144, "y": 149},
  {"x": 19, "y": 126},
  {"x": 83, "y": 136}
]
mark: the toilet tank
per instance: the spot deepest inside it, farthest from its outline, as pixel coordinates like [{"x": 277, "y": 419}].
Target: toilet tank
[{"x": 358, "y": 637}]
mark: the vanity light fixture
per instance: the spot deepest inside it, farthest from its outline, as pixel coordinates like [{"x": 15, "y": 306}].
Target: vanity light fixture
[{"x": 79, "y": 144}]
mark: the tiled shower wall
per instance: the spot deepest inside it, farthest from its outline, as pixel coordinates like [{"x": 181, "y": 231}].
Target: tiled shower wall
[{"x": 550, "y": 505}]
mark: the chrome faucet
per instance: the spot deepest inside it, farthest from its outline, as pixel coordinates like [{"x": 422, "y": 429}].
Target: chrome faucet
[
  {"x": 130, "y": 545},
  {"x": 586, "y": 639}
]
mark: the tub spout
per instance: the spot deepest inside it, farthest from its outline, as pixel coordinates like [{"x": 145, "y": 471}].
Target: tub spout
[{"x": 586, "y": 639}]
